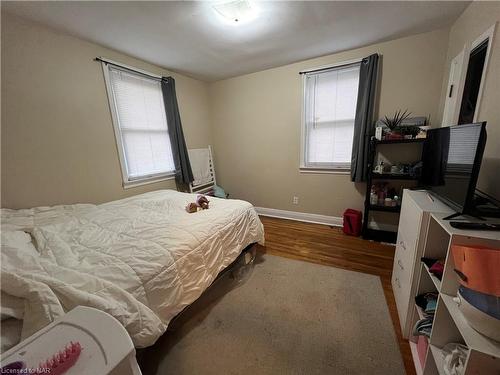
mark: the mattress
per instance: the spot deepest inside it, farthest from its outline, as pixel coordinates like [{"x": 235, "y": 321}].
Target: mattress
[{"x": 141, "y": 259}]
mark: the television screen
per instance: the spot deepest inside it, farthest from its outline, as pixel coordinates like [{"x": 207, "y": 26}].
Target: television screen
[{"x": 451, "y": 161}]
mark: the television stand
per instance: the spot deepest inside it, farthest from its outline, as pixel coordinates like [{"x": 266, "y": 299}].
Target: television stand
[{"x": 457, "y": 214}]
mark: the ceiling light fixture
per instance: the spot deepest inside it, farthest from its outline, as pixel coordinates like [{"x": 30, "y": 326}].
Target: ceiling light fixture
[{"x": 235, "y": 11}]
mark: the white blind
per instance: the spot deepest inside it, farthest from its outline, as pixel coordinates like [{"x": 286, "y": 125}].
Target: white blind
[
  {"x": 142, "y": 124},
  {"x": 463, "y": 144},
  {"x": 330, "y": 106}
]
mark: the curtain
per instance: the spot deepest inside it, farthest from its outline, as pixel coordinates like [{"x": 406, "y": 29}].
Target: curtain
[
  {"x": 364, "y": 125},
  {"x": 183, "y": 172}
]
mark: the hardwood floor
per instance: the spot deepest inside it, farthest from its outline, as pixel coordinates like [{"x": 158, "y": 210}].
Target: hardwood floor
[{"x": 329, "y": 246}]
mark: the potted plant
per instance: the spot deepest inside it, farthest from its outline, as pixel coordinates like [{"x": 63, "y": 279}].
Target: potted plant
[
  {"x": 394, "y": 124},
  {"x": 408, "y": 131}
]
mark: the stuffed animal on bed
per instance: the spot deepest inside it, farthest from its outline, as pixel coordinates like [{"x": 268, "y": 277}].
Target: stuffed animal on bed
[
  {"x": 201, "y": 204},
  {"x": 191, "y": 207}
]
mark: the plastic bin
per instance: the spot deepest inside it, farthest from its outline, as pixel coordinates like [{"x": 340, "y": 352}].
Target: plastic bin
[
  {"x": 478, "y": 268},
  {"x": 485, "y": 324}
]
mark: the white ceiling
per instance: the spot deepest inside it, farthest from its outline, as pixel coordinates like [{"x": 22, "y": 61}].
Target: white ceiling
[{"x": 187, "y": 36}]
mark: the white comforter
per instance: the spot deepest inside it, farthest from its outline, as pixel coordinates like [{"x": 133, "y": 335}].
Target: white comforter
[{"x": 141, "y": 259}]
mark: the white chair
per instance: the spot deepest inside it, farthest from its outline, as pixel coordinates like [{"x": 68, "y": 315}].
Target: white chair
[{"x": 202, "y": 165}]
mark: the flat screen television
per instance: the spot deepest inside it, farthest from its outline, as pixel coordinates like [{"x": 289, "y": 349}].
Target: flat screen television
[{"x": 451, "y": 159}]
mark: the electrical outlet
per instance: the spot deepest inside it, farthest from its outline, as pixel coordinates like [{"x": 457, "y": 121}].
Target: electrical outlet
[{"x": 295, "y": 200}]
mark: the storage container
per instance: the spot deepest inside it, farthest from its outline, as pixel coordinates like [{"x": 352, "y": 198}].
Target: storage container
[
  {"x": 480, "y": 321},
  {"x": 486, "y": 303},
  {"x": 478, "y": 268}
]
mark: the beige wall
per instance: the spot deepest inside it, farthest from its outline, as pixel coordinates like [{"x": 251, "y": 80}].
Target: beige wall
[
  {"x": 474, "y": 21},
  {"x": 58, "y": 144},
  {"x": 256, "y": 122},
  {"x": 57, "y": 137}
]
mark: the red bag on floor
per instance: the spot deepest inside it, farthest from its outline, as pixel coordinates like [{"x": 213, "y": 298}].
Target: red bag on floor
[{"x": 352, "y": 222}]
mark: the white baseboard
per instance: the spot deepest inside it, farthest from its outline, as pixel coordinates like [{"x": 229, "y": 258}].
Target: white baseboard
[{"x": 333, "y": 221}]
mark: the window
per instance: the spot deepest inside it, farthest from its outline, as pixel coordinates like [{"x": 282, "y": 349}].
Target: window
[
  {"x": 462, "y": 148},
  {"x": 140, "y": 125},
  {"x": 330, "y": 98}
]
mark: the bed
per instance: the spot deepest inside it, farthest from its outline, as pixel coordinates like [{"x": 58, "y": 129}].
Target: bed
[{"x": 141, "y": 259}]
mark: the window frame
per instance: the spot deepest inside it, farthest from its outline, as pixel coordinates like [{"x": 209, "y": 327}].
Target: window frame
[
  {"x": 329, "y": 168},
  {"x": 127, "y": 181}
]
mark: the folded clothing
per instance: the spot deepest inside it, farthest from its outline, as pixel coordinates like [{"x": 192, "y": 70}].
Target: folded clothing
[
  {"x": 436, "y": 266},
  {"x": 423, "y": 327},
  {"x": 427, "y": 302},
  {"x": 437, "y": 269},
  {"x": 430, "y": 309}
]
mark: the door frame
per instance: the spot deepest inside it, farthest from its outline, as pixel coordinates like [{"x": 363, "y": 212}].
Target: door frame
[
  {"x": 460, "y": 86},
  {"x": 488, "y": 34},
  {"x": 468, "y": 47}
]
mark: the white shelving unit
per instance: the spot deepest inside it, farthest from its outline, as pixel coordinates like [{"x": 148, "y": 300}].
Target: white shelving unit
[
  {"x": 450, "y": 326},
  {"x": 416, "y": 210},
  {"x": 435, "y": 280},
  {"x": 438, "y": 358},
  {"x": 416, "y": 360}
]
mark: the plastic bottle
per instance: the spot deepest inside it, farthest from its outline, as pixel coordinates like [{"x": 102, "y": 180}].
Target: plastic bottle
[{"x": 373, "y": 196}]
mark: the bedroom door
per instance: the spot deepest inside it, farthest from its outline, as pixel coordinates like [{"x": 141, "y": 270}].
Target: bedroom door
[{"x": 454, "y": 90}]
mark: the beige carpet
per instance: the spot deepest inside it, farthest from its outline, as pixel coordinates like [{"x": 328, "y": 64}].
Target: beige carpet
[{"x": 289, "y": 317}]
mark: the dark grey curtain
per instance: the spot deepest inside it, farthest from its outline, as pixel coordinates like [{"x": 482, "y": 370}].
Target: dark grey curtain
[
  {"x": 364, "y": 125},
  {"x": 183, "y": 172}
]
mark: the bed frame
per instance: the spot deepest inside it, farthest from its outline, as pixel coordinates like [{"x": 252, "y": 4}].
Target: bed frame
[
  {"x": 245, "y": 259},
  {"x": 147, "y": 357}
]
